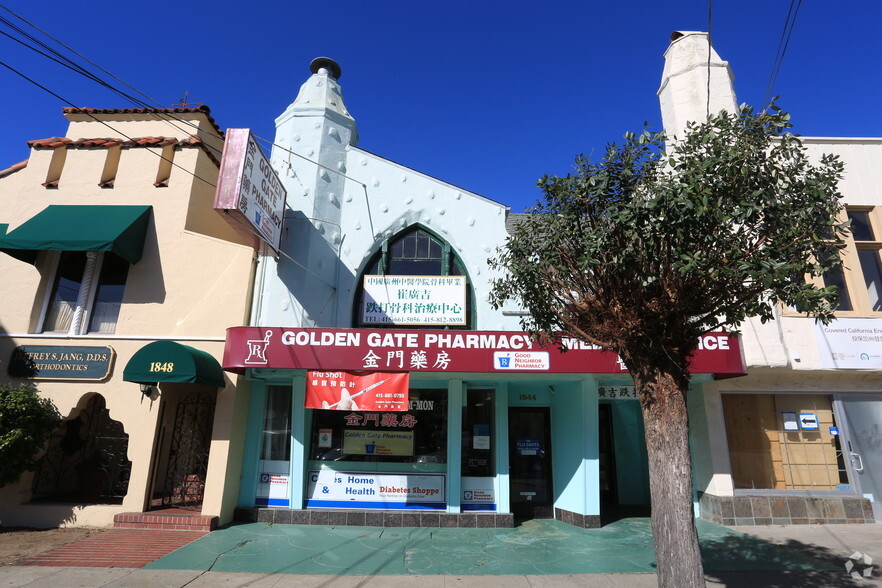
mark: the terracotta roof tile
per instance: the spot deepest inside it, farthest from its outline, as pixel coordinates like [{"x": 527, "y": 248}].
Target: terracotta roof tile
[
  {"x": 170, "y": 111},
  {"x": 50, "y": 143},
  {"x": 13, "y": 168},
  {"x": 108, "y": 142}
]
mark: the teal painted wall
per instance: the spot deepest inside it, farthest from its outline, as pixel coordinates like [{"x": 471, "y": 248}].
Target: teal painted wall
[
  {"x": 629, "y": 441},
  {"x": 575, "y": 447}
]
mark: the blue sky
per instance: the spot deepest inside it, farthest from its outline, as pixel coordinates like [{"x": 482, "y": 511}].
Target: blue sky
[{"x": 488, "y": 96}]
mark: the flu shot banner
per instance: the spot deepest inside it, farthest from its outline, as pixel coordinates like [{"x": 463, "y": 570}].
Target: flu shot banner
[{"x": 357, "y": 391}]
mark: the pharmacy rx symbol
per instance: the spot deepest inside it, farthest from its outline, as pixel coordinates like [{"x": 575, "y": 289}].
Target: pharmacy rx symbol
[{"x": 257, "y": 349}]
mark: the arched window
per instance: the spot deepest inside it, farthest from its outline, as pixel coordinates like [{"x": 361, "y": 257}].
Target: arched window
[{"x": 414, "y": 252}]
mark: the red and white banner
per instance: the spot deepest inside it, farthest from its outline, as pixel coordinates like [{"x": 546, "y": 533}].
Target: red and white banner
[
  {"x": 400, "y": 350},
  {"x": 357, "y": 391}
]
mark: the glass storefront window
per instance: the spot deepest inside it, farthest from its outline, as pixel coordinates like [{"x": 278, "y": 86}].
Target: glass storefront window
[
  {"x": 416, "y": 436},
  {"x": 277, "y": 424},
  {"x": 275, "y": 449},
  {"x": 477, "y": 434}
]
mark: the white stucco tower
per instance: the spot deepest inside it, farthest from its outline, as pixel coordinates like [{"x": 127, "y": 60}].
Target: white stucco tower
[
  {"x": 312, "y": 139},
  {"x": 685, "y": 91}
]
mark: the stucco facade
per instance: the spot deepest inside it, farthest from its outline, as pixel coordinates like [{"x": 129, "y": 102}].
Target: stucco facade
[
  {"x": 796, "y": 440},
  {"x": 491, "y": 439},
  {"x": 190, "y": 283}
]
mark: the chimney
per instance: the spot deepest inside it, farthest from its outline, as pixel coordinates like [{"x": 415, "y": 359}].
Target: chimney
[{"x": 684, "y": 91}]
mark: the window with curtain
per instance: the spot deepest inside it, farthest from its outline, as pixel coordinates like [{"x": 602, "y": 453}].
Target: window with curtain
[{"x": 99, "y": 308}]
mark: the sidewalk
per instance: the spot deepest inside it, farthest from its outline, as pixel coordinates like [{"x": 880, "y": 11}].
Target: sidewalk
[{"x": 536, "y": 554}]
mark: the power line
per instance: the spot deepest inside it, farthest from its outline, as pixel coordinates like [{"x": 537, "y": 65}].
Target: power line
[
  {"x": 89, "y": 75},
  {"x": 96, "y": 119},
  {"x": 161, "y": 116},
  {"x": 709, "y": 52},
  {"x": 783, "y": 42}
]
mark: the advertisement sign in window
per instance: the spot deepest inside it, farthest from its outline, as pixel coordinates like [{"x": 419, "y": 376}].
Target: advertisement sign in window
[
  {"x": 357, "y": 442},
  {"x": 330, "y": 489},
  {"x": 528, "y": 446},
  {"x": 272, "y": 486},
  {"x": 478, "y": 493},
  {"x": 354, "y": 391},
  {"x": 414, "y": 300}
]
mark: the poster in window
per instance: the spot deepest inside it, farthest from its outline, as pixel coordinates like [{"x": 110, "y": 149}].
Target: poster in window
[{"x": 351, "y": 391}]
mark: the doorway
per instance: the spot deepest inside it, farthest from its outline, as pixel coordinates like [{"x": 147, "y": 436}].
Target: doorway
[
  {"x": 622, "y": 462},
  {"x": 181, "y": 463},
  {"x": 530, "y": 471},
  {"x": 863, "y": 444}
]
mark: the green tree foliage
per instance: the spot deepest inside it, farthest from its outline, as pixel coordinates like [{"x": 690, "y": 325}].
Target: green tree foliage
[
  {"x": 646, "y": 250},
  {"x": 26, "y": 422}
]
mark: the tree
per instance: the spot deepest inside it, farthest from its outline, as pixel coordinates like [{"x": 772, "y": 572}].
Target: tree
[
  {"x": 26, "y": 422},
  {"x": 645, "y": 251}
]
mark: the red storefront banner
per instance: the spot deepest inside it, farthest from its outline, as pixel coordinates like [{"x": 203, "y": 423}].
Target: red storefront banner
[
  {"x": 445, "y": 351},
  {"x": 357, "y": 391}
]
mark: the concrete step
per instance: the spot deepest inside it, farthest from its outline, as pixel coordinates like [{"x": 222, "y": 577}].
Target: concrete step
[{"x": 165, "y": 520}]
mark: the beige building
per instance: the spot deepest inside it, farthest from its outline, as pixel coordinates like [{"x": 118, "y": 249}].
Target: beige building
[{"x": 119, "y": 280}]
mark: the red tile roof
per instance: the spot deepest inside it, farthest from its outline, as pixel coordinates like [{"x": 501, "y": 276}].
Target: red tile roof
[
  {"x": 155, "y": 111},
  {"x": 13, "y": 168},
  {"x": 108, "y": 142},
  {"x": 50, "y": 143}
]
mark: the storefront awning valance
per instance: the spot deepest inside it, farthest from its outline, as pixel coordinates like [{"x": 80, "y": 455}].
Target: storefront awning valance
[
  {"x": 414, "y": 351},
  {"x": 168, "y": 361},
  {"x": 119, "y": 229}
]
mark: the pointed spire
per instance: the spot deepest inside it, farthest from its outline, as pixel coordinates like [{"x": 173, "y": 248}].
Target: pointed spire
[
  {"x": 685, "y": 90},
  {"x": 322, "y": 96}
]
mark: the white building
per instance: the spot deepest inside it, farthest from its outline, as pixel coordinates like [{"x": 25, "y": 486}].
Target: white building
[{"x": 797, "y": 440}]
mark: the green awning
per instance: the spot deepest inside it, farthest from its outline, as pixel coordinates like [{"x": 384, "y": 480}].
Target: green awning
[
  {"x": 120, "y": 229},
  {"x": 168, "y": 361}
]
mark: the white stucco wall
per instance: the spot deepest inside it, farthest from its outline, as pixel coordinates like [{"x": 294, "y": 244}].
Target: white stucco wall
[{"x": 338, "y": 216}]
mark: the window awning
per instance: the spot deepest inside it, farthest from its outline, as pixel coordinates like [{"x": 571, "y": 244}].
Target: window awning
[
  {"x": 168, "y": 361},
  {"x": 120, "y": 229}
]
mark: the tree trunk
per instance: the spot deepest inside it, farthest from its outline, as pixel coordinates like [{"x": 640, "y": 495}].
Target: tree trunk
[{"x": 663, "y": 400}]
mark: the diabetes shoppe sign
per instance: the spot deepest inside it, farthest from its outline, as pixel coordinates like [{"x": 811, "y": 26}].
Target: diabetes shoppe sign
[
  {"x": 443, "y": 351},
  {"x": 332, "y": 489}
]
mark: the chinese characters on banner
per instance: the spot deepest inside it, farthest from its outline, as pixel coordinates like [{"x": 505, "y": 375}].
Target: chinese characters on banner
[
  {"x": 357, "y": 391},
  {"x": 414, "y": 300}
]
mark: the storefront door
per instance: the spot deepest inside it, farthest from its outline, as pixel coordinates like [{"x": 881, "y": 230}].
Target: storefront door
[
  {"x": 530, "y": 462},
  {"x": 863, "y": 442}
]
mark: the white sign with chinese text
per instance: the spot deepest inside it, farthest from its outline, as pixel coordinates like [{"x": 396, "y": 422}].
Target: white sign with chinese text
[
  {"x": 414, "y": 300},
  {"x": 850, "y": 344}
]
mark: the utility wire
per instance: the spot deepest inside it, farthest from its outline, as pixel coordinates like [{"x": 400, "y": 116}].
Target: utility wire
[
  {"x": 96, "y": 119},
  {"x": 709, "y": 52},
  {"x": 161, "y": 116},
  {"x": 784, "y": 41},
  {"x": 89, "y": 75}
]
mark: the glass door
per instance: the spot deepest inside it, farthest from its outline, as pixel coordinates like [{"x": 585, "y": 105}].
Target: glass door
[
  {"x": 863, "y": 444},
  {"x": 530, "y": 462}
]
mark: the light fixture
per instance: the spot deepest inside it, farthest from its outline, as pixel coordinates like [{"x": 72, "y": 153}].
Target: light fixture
[{"x": 147, "y": 388}]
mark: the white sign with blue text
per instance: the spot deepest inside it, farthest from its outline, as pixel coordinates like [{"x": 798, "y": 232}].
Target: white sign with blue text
[{"x": 330, "y": 489}]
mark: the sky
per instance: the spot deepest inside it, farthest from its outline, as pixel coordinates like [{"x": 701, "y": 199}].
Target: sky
[{"x": 488, "y": 96}]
